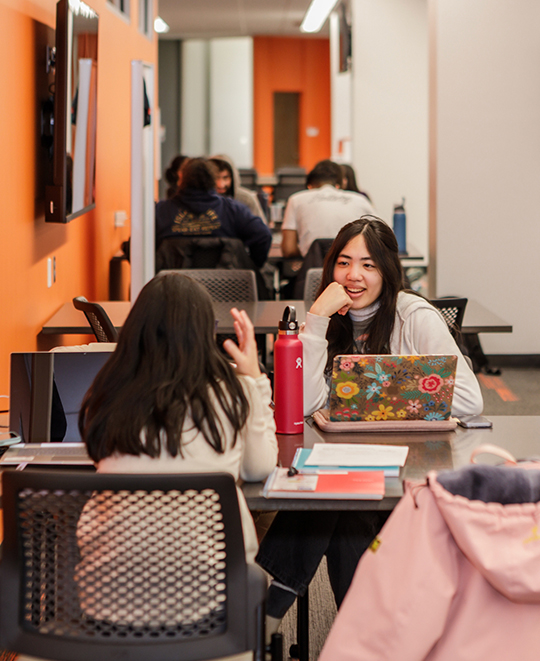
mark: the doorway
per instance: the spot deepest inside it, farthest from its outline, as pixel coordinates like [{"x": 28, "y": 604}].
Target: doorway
[{"x": 286, "y": 129}]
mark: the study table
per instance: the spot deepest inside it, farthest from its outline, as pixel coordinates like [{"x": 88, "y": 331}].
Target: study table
[
  {"x": 441, "y": 450},
  {"x": 264, "y": 315}
]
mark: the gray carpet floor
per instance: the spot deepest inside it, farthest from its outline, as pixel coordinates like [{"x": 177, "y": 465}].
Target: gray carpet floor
[{"x": 516, "y": 391}]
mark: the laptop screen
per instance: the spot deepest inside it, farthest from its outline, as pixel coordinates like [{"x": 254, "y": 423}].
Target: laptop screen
[{"x": 46, "y": 392}]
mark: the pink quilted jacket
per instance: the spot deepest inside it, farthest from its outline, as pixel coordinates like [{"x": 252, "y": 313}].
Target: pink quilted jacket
[{"x": 456, "y": 576}]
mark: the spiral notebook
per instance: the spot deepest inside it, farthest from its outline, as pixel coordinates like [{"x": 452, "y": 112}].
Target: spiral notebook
[{"x": 386, "y": 388}]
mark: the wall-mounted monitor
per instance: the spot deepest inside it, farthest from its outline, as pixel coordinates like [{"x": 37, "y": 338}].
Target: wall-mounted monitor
[
  {"x": 72, "y": 191},
  {"x": 345, "y": 40}
]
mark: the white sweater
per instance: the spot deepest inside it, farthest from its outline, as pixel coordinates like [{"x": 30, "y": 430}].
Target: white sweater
[
  {"x": 419, "y": 329},
  {"x": 252, "y": 458}
]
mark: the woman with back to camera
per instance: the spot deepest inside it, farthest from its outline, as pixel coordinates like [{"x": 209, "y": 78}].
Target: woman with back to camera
[
  {"x": 361, "y": 308},
  {"x": 168, "y": 401}
]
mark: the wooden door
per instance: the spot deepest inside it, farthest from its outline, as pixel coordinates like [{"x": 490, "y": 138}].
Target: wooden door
[{"x": 286, "y": 129}]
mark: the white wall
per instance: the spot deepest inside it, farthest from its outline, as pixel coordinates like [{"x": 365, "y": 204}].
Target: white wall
[
  {"x": 487, "y": 124},
  {"x": 194, "y": 98},
  {"x": 341, "y": 106},
  {"x": 217, "y": 98},
  {"x": 390, "y": 108},
  {"x": 231, "y": 99}
]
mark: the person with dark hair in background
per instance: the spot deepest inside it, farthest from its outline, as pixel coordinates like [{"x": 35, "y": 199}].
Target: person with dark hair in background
[
  {"x": 172, "y": 175},
  {"x": 197, "y": 210},
  {"x": 321, "y": 211},
  {"x": 228, "y": 183},
  {"x": 349, "y": 180},
  {"x": 169, "y": 401},
  {"x": 361, "y": 308}
]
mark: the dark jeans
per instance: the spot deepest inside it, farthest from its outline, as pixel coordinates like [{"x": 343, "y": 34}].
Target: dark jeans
[{"x": 296, "y": 542}]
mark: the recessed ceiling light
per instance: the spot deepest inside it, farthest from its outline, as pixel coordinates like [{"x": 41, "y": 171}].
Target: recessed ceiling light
[
  {"x": 316, "y": 15},
  {"x": 160, "y": 25}
]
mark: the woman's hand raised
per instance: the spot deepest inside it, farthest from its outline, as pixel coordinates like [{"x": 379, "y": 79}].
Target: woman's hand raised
[
  {"x": 245, "y": 353},
  {"x": 333, "y": 299}
]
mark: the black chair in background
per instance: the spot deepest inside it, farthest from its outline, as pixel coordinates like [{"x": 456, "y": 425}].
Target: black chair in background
[
  {"x": 248, "y": 178},
  {"x": 289, "y": 180},
  {"x": 208, "y": 253},
  {"x": 311, "y": 285},
  {"x": 98, "y": 319},
  {"x": 453, "y": 311},
  {"x": 137, "y": 567},
  {"x": 226, "y": 285},
  {"x": 314, "y": 259}
]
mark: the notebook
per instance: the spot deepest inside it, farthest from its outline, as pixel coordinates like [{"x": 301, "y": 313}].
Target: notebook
[
  {"x": 351, "y": 457},
  {"x": 392, "y": 388},
  {"x": 331, "y": 485}
]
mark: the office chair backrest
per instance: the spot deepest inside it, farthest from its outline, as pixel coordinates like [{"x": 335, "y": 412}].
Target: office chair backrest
[
  {"x": 314, "y": 259},
  {"x": 98, "y": 319},
  {"x": 107, "y": 567},
  {"x": 248, "y": 178},
  {"x": 312, "y": 284},
  {"x": 226, "y": 285},
  {"x": 289, "y": 180},
  {"x": 291, "y": 174},
  {"x": 453, "y": 311}
]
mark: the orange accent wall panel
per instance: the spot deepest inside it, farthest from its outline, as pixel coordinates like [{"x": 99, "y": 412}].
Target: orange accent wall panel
[
  {"x": 84, "y": 247},
  {"x": 290, "y": 64}
]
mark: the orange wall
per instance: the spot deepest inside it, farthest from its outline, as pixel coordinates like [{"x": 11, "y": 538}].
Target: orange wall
[
  {"x": 83, "y": 247},
  {"x": 290, "y": 64}
]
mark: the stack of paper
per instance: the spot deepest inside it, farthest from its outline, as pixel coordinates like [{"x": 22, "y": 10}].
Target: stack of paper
[{"x": 351, "y": 457}]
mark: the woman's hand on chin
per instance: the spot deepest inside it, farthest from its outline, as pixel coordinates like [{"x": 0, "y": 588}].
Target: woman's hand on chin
[
  {"x": 244, "y": 354},
  {"x": 333, "y": 299}
]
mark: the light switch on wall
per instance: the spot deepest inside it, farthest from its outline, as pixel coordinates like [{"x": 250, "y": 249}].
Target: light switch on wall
[{"x": 120, "y": 218}]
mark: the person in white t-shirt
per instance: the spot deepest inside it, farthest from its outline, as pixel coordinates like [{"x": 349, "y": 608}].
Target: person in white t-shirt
[{"x": 320, "y": 211}]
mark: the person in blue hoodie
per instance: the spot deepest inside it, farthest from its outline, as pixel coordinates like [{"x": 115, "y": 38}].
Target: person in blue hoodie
[{"x": 197, "y": 210}]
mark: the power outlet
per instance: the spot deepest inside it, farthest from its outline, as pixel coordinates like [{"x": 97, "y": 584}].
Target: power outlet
[{"x": 49, "y": 272}]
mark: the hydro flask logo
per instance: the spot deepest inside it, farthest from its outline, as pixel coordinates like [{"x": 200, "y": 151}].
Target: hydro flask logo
[{"x": 298, "y": 363}]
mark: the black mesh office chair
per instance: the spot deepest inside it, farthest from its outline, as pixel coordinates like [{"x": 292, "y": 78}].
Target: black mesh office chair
[
  {"x": 98, "y": 319},
  {"x": 137, "y": 567},
  {"x": 210, "y": 252},
  {"x": 226, "y": 285},
  {"x": 453, "y": 311}
]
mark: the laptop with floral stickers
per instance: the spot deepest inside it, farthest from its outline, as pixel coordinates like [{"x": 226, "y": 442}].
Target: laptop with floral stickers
[{"x": 396, "y": 388}]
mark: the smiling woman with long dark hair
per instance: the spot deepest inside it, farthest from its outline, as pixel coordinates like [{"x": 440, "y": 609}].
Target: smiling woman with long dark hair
[{"x": 361, "y": 307}]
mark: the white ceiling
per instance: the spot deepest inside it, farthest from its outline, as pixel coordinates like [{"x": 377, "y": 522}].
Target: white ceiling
[{"x": 233, "y": 18}]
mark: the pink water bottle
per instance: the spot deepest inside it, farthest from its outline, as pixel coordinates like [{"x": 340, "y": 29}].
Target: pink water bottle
[{"x": 288, "y": 376}]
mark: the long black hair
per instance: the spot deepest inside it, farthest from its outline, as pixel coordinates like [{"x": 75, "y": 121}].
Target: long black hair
[
  {"x": 164, "y": 367},
  {"x": 382, "y": 246},
  {"x": 349, "y": 182},
  {"x": 171, "y": 175}
]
